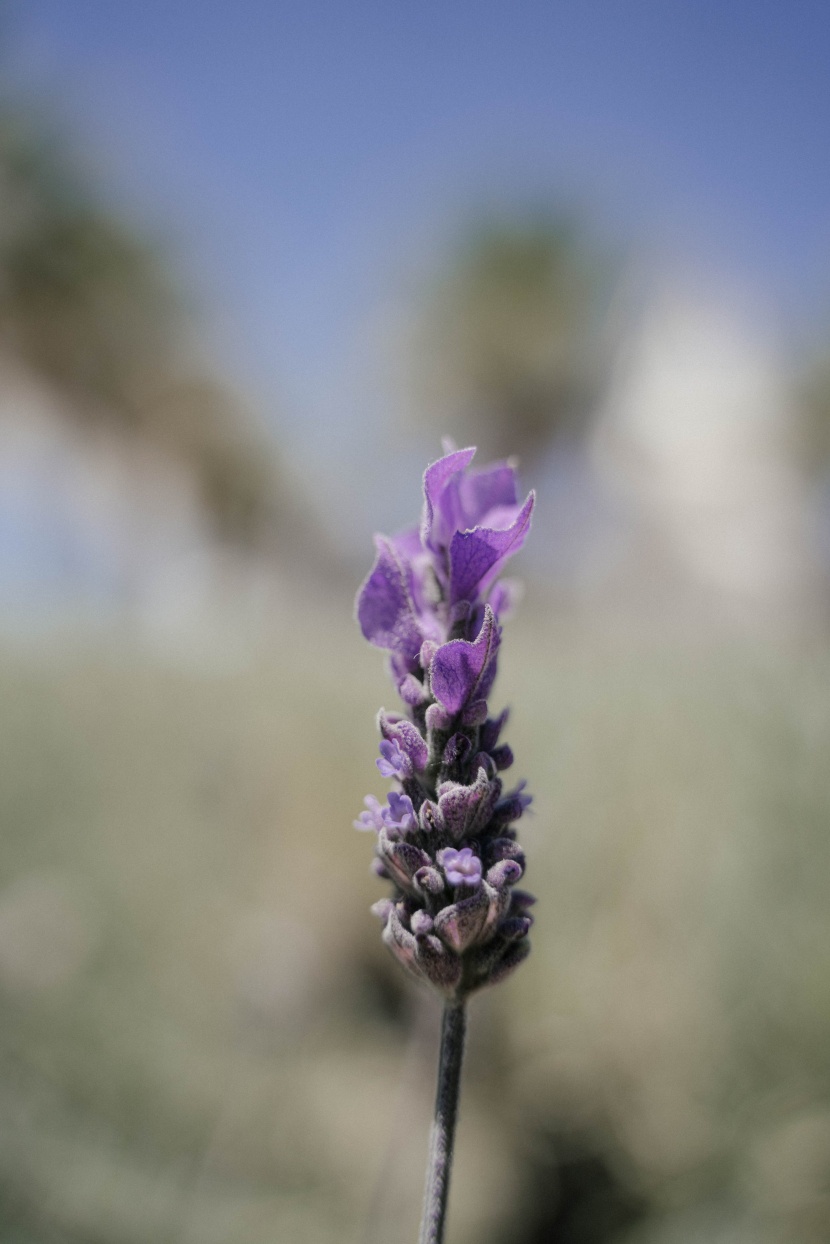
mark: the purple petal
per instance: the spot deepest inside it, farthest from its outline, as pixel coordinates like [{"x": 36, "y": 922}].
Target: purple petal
[
  {"x": 485, "y": 490},
  {"x": 373, "y": 817},
  {"x": 437, "y": 524},
  {"x": 393, "y": 761},
  {"x": 407, "y": 544},
  {"x": 477, "y": 556},
  {"x": 384, "y": 606},
  {"x": 400, "y": 813},
  {"x": 463, "y": 671}
]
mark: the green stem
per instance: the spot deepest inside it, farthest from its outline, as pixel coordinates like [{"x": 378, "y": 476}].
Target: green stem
[{"x": 442, "y": 1137}]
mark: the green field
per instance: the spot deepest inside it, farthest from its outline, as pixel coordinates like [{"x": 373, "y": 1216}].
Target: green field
[{"x": 204, "y": 1042}]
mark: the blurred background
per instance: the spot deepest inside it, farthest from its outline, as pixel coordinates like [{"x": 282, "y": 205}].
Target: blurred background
[{"x": 255, "y": 260}]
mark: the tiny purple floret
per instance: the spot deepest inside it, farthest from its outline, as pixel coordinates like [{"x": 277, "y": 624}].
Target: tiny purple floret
[
  {"x": 393, "y": 762},
  {"x": 400, "y": 813},
  {"x": 460, "y": 867},
  {"x": 373, "y": 817}
]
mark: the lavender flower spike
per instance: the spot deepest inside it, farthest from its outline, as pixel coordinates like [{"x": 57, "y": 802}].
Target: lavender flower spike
[{"x": 445, "y": 838}]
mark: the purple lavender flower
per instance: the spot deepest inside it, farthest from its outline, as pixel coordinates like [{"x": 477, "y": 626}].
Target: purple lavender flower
[
  {"x": 393, "y": 762},
  {"x": 372, "y": 818},
  {"x": 460, "y": 867},
  {"x": 400, "y": 814},
  {"x": 432, "y": 600}
]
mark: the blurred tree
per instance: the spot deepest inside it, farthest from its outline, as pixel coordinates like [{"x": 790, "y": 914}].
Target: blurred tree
[
  {"x": 511, "y": 344},
  {"x": 91, "y": 308}
]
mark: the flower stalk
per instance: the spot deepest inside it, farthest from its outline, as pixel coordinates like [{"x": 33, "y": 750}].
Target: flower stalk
[{"x": 442, "y": 1136}]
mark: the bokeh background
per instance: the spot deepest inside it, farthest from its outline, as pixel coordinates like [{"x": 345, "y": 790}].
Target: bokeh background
[{"x": 255, "y": 260}]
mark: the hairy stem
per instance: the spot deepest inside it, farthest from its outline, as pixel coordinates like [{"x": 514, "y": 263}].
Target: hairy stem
[{"x": 442, "y": 1136}]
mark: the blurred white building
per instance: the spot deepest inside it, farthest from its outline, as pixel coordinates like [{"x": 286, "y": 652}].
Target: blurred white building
[
  {"x": 98, "y": 526},
  {"x": 696, "y": 443}
]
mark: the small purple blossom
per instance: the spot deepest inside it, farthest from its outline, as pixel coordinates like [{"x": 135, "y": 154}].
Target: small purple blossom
[
  {"x": 372, "y": 818},
  {"x": 400, "y": 814},
  {"x": 393, "y": 762},
  {"x": 460, "y": 867}
]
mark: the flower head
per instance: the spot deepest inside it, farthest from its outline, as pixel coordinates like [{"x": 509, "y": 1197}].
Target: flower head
[
  {"x": 432, "y": 600},
  {"x": 426, "y": 579}
]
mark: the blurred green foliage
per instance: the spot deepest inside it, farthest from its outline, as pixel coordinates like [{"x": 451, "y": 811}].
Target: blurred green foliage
[
  {"x": 513, "y": 343},
  {"x": 95, "y": 309},
  {"x": 203, "y": 1039}
]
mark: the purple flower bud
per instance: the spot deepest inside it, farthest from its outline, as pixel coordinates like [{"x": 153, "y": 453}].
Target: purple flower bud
[
  {"x": 401, "y": 859},
  {"x": 428, "y": 880},
  {"x": 498, "y": 903},
  {"x": 505, "y": 849},
  {"x": 400, "y": 941},
  {"x": 483, "y": 760},
  {"x": 502, "y": 756},
  {"x": 512, "y": 806},
  {"x": 461, "y": 923},
  {"x": 515, "y": 927},
  {"x": 420, "y": 922},
  {"x": 466, "y": 809},
  {"x": 372, "y": 818},
  {"x": 456, "y": 751},
  {"x": 505, "y": 873},
  {"x": 460, "y": 867},
  {"x": 430, "y": 818},
  {"x": 491, "y": 730},
  {"x": 393, "y": 763}
]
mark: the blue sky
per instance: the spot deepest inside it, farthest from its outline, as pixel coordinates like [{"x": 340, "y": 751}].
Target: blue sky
[{"x": 303, "y": 158}]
